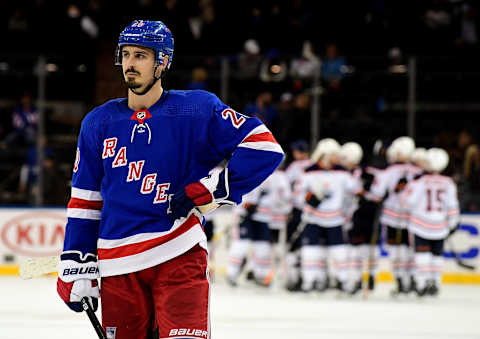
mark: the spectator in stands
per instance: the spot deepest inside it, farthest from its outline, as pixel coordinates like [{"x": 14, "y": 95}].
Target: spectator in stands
[
  {"x": 468, "y": 154},
  {"x": 263, "y": 109},
  {"x": 273, "y": 68},
  {"x": 333, "y": 71},
  {"x": 333, "y": 67},
  {"x": 246, "y": 83},
  {"x": 471, "y": 160},
  {"x": 248, "y": 60},
  {"x": 54, "y": 192},
  {"x": 304, "y": 66},
  {"x": 295, "y": 122},
  {"x": 437, "y": 19},
  {"x": 199, "y": 79},
  {"x": 24, "y": 122},
  {"x": 466, "y": 26}
]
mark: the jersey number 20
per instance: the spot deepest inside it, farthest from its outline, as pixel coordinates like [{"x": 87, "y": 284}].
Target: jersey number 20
[{"x": 236, "y": 122}]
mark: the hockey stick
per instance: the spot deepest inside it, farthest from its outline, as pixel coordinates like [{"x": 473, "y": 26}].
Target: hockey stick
[
  {"x": 37, "y": 267},
  {"x": 297, "y": 234},
  {"x": 93, "y": 318},
  {"x": 372, "y": 247},
  {"x": 457, "y": 257}
]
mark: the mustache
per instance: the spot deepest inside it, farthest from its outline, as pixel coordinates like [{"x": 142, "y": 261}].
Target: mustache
[{"x": 131, "y": 70}]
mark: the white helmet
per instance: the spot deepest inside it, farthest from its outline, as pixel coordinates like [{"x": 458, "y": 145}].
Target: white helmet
[
  {"x": 403, "y": 148},
  {"x": 390, "y": 155},
  {"x": 326, "y": 146},
  {"x": 419, "y": 156},
  {"x": 437, "y": 159},
  {"x": 351, "y": 153}
]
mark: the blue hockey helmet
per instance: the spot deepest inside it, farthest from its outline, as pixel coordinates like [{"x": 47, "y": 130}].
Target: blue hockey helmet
[{"x": 151, "y": 34}]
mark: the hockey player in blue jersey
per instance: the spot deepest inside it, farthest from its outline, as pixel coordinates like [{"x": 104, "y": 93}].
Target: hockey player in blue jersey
[{"x": 143, "y": 167}]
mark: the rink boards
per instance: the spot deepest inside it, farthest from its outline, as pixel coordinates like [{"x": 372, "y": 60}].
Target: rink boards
[{"x": 32, "y": 232}]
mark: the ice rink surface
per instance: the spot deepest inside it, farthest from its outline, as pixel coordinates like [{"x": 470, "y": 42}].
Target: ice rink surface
[{"x": 31, "y": 309}]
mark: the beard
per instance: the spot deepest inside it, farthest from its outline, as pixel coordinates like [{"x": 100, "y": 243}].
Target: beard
[
  {"x": 131, "y": 81},
  {"x": 133, "y": 84}
]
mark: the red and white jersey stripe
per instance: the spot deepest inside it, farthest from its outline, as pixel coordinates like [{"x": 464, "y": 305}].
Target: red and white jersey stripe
[
  {"x": 143, "y": 250},
  {"x": 260, "y": 138},
  {"x": 85, "y": 204}
]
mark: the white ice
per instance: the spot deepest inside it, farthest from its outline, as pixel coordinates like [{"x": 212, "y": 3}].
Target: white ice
[{"x": 30, "y": 309}]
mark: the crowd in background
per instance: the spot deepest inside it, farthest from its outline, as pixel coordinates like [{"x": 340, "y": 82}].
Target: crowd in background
[{"x": 274, "y": 49}]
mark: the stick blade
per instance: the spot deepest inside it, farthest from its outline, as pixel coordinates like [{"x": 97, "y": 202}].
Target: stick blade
[
  {"x": 465, "y": 265},
  {"x": 36, "y": 267}
]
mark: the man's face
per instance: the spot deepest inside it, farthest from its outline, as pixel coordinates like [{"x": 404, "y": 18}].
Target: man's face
[{"x": 137, "y": 65}]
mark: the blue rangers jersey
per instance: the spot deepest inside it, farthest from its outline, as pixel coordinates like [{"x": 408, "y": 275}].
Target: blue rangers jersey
[{"x": 129, "y": 163}]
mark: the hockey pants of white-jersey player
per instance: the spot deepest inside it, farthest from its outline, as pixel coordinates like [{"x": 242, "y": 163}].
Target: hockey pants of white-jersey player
[
  {"x": 318, "y": 245},
  {"x": 254, "y": 236},
  {"x": 292, "y": 263},
  {"x": 401, "y": 254},
  {"x": 429, "y": 261},
  {"x": 261, "y": 257},
  {"x": 359, "y": 255}
]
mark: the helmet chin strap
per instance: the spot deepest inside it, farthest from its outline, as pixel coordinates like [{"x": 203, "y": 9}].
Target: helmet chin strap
[{"x": 149, "y": 87}]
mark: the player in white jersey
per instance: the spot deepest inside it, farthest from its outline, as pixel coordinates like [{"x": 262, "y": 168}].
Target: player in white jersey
[
  {"x": 322, "y": 191},
  {"x": 262, "y": 210},
  {"x": 359, "y": 214},
  {"x": 301, "y": 161},
  {"x": 394, "y": 217},
  {"x": 433, "y": 206},
  {"x": 351, "y": 154}
]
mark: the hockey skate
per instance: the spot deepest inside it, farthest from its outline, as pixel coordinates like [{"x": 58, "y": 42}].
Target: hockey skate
[
  {"x": 400, "y": 290},
  {"x": 250, "y": 276},
  {"x": 421, "y": 292},
  {"x": 231, "y": 282},
  {"x": 294, "y": 287},
  {"x": 357, "y": 286},
  {"x": 321, "y": 286},
  {"x": 432, "y": 288}
]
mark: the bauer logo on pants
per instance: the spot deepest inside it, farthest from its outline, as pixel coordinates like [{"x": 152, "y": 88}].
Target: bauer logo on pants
[{"x": 111, "y": 331}]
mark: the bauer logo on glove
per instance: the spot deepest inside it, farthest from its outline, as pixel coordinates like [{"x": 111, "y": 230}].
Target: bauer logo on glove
[{"x": 77, "y": 278}]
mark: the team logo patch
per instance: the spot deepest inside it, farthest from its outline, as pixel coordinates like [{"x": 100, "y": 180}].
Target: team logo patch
[
  {"x": 111, "y": 332},
  {"x": 141, "y": 127}
]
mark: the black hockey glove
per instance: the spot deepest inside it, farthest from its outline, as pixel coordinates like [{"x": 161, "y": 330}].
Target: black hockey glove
[
  {"x": 367, "y": 180},
  {"x": 400, "y": 186},
  {"x": 313, "y": 200}
]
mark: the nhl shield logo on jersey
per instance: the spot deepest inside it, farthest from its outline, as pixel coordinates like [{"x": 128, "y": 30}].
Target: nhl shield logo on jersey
[{"x": 142, "y": 126}]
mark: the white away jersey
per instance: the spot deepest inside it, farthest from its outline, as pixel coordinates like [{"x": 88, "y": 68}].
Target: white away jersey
[
  {"x": 330, "y": 186},
  {"x": 432, "y": 203},
  {"x": 393, "y": 214},
  {"x": 273, "y": 200}
]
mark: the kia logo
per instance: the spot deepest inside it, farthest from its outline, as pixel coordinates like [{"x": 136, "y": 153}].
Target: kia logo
[{"x": 35, "y": 234}]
